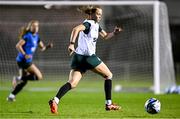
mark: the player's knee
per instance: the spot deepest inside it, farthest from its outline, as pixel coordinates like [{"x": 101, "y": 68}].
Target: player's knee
[
  {"x": 73, "y": 85},
  {"x": 109, "y": 76},
  {"x": 40, "y": 77}
]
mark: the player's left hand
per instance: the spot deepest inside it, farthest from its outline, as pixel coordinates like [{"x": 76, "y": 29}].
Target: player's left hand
[{"x": 117, "y": 30}]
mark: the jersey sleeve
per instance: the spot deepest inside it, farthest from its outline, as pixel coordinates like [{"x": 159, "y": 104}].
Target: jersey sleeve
[
  {"x": 100, "y": 29},
  {"x": 87, "y": 27},
  {"x": 25, "y": 37}
]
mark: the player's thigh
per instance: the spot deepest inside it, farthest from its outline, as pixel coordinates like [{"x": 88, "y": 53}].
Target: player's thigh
[
  {"x": 33, "y": 69},
  {"x": 103, "y": 70},
  {"x": 74, "y": 77}
]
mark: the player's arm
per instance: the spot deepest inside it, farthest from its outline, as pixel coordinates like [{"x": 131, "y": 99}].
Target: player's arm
[
  {"x": 73, "y": 37},
  {"x": 43, "y": 47},
  {"x": 20, "y": 48},
  {"x": 106, "y": 35}
]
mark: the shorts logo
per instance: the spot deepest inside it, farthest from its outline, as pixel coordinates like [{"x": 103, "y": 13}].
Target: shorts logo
[
  {"x": 98, "y": 58},
  {"x": 94, "y": 39}
]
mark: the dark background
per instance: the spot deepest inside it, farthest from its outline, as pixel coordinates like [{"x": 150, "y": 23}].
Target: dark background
[{"x": 127, "y": 54}]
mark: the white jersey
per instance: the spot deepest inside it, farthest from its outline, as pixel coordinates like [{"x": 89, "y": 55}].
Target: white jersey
[{"x": 87, "y": 40}]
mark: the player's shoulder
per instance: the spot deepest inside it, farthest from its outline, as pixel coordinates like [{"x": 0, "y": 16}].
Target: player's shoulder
[
  {"x": 89, "y": 21},
  {"x": 27, "y": 34}
]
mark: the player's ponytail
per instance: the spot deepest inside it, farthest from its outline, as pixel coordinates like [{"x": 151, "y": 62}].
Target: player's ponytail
[
  {"x": 22, "y": 32},
  {"x": 26, "y": 28}
]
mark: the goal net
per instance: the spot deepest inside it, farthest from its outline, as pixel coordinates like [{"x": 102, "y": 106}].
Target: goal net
[{"x": 139, "y": 57}]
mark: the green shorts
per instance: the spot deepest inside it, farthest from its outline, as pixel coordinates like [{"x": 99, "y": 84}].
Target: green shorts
[{"x": 83, "y": 63}]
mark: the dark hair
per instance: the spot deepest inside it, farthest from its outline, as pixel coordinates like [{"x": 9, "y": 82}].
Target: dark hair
[{"x": 88, "y": 9}]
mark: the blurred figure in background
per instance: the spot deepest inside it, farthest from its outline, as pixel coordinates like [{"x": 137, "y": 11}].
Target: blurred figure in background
[
  {"x": 29, "y": 40},
  {"x": 84, "y": 57}
]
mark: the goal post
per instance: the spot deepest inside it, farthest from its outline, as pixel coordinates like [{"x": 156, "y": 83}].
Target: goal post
[
  {"x": 162, "y": 60},
  {"x": 164, "y": 74}
]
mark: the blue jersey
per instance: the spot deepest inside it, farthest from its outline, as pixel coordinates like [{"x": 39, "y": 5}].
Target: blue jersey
[{"x": 31, "y": 43}]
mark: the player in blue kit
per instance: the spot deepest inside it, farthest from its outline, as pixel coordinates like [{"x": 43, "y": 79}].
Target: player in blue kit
[{"x": 27, "y": 45}]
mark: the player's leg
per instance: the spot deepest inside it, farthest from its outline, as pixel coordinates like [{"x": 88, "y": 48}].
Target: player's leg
[
  {"x": 17, "y": 79},
  {"x": 74, "y": 78},
  {"x": 35, "y": 73},
  {"x": 103, "y": 70},
  {"x": 18, "y": 86},
  {"x": 29, "y": 72}
]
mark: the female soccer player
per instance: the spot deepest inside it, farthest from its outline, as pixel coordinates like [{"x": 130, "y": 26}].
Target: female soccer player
[
  {"x": 84, "y": 57},
  {"x": 29, "y": 41}
]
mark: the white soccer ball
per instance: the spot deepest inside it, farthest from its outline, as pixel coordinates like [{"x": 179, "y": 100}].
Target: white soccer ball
[
  {"x": 152, "y": 106},
  {"x": 117, "y": 88}
]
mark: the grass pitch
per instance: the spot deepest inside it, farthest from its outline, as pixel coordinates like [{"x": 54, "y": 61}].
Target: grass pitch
[{"x": 86, "y": 101}]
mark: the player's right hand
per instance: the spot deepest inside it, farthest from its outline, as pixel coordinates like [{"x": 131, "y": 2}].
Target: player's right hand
[
  {"x": 71, "y": 49},
  {"x": 50, "y": 45},
  {"x": 117, "y": 30}
]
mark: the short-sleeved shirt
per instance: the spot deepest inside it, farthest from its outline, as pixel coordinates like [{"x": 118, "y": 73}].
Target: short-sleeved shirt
[
  {"x": 87, "y": 39},
  {"x": 31, "y": 43}
]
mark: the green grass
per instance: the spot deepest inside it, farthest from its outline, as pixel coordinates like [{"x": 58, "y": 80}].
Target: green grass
[{"x": 80, "y": 103}]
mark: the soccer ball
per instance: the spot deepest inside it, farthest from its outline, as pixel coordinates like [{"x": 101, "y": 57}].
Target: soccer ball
[
  {"x": 117, "y": 88},
  {"x": 152, "y": 106}
]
